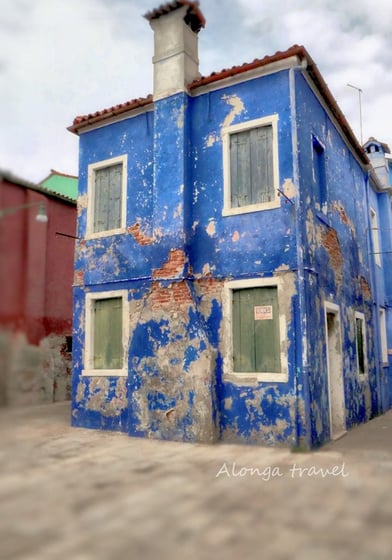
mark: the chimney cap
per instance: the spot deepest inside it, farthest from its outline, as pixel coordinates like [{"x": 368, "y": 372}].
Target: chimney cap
[{"x": 194, "y": 17}]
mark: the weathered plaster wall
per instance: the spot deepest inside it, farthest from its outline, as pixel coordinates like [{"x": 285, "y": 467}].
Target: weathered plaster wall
[
  {"x": 336, "y": 263},
  {"x": 246, "y": 244},
  {"x": 33, "y": 374},
  {"x": 254, "y": 245},
  {"x": 178, "y": 251},
  {"x": 173, "y": 260}
]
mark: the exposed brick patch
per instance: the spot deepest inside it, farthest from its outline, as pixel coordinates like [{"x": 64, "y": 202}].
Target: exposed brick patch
[
  {"x": 139, "y": 236},
  {"x": 365, "y": 288},
  {"x": 210, "y": 286},
  {"x": 331, "y": 243},
  {"x": 173, "y": 296},
  {"x": 173, "y": 267},
  {"x": 78, "y": 278}
]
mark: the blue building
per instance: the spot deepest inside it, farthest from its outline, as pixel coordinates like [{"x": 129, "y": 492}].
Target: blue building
[
  {"x": 224, "y": 287},
  {"x": 379, "y": 191}
]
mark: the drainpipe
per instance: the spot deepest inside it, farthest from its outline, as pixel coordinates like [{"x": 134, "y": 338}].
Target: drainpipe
[{"x": 301, "y": 360}]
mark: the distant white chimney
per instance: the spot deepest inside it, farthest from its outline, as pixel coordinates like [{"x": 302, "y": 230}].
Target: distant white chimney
[{"x": 176, "y": 61}]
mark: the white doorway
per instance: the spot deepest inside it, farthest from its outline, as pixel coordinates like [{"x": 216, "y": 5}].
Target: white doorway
[{"x": 337, "y": 409}]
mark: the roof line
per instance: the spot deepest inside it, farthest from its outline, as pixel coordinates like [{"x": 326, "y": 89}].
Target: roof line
[
  {"x": 296, "y": 50},
  {"x": 58, "y": 173},
  {"x": 55, "y": 172},
  {"x": 92, "y": 118},
  {"x": 11, "y": 178}
]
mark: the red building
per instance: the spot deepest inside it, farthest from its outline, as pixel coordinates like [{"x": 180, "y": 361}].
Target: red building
[{"x": 37, "y": 229}]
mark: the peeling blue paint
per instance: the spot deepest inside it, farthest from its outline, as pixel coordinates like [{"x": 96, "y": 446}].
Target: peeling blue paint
[{"x": 178, "y": 252}]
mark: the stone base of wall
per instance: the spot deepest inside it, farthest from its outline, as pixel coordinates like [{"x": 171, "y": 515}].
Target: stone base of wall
[{"x": 31, "y": 374}]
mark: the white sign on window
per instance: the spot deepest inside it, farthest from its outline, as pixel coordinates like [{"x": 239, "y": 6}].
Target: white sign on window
[{"x": 263, "y": 312}]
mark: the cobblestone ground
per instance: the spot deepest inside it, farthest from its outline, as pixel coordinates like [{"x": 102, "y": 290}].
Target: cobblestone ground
[{"x": 89, "y": 495}]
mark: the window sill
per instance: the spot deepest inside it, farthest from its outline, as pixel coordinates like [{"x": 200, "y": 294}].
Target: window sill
[
  {"x": 227, "y": 211},
  {"x": 251, "y": 378},
  {"x": 108, "y": 233},
  {"x": 104, "y": 373}
]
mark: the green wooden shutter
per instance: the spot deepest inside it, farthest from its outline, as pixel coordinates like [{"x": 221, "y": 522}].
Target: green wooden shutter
[
  {"x": 240, "y": 169},
  {"x": 262, "y": 178},
  {"x": 108, "y": 199},
  {"x": 256, "y": 342},
  {"x": 243, "y": 331},
  {"x": 108, "y": 347}
]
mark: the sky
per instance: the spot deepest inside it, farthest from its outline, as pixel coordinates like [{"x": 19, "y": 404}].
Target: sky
[{"x": 63, "y": 58}]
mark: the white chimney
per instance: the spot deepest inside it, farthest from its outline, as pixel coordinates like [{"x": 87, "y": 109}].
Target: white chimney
[{"x": 176, "y": 61}]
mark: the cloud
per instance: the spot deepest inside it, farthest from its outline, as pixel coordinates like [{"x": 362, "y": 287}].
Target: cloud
[{"x": 65, "y": 58}]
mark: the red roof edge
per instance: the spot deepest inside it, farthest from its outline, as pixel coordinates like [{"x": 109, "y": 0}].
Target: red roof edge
[
  {"x": 54, "y": 172},
  {"x": 325, "y": 92},
  {"x": 9, "y": 177},
  {"x": 92, "y": 118},
  {"x": 314, "y": 73},
  {"x": 296, "y": 50}
]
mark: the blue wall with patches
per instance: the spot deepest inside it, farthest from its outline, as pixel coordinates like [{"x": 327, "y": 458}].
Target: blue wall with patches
[
  {"x": 336, "y": 259},
  {"x": 179, "y": 251}
]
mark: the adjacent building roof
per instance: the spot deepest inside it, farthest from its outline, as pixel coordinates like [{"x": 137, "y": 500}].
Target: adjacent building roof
[
  {"x": 194, "y": 17},
  {"x": 61, "y": 183},
  {"x": 11, "y": 178},
  {"x": 298, "y": 51}
]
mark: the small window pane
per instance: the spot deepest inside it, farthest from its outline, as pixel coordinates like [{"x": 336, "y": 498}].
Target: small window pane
[{"x": 251, "y": 167}]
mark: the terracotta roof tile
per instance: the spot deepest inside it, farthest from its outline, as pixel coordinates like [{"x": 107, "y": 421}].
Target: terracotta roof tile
[
  {"x": 296, "y": 50},
  {"x": 194, "y": 17},
  {"x": 92, "y": 118}
]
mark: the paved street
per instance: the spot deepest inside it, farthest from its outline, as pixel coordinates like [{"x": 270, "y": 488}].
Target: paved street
[{"x": 88, "y": 495}]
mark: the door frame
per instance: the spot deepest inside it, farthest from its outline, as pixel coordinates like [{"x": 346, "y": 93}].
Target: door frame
[{"x": 336, "y": 399}]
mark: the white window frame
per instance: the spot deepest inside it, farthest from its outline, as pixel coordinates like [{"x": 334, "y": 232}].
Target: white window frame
[
  {"x": 89, "y": 370},
  {"x": 383, "y": 336},
  {"x": 271, "y": 120},
  {"x": 250, "y": 378},
  {"x": 361, "y": 317},
  {"x": 375, "y": 237},
  {"x": 92, "y": 168}
]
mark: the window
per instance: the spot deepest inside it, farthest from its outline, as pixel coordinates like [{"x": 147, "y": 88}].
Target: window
[
  {"x": 319, "y": 174},
  {"x": 375, "y": 237},
  {"x": 106, "y": 333},
  {"x": 250, "y": 166},
  {"x": 383, "y": 336},
  {"x": 360, "y": 343},
  {"x": 257, "y": 331},
  {"x": 107, "y": 196}
]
